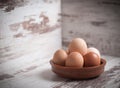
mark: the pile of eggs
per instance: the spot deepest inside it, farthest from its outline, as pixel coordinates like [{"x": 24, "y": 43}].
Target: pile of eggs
[{"x": 77, "y": 55}]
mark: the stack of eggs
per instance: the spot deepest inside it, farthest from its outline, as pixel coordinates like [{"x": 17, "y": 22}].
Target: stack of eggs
[{"x": 77, "y": 55}]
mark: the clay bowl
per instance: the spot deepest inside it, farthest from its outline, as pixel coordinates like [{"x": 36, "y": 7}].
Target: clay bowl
[{"x": 78, "y": 73}]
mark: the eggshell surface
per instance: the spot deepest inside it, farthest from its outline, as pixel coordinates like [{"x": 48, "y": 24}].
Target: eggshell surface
[
  {"x": 91, "y": 59},
  {"x": 75, "y": 59},
  {"x": 78, "y": 45},
  {"x": 92, "y": 49},
  {"x": 59, "y": 57}
]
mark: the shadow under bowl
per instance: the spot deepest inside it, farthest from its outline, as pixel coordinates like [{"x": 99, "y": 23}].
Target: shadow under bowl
[{"x": 78, "y": 73}]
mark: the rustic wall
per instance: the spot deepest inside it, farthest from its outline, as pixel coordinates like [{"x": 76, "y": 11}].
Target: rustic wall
[
  {"x": 97, "y": 21},
  {"x": 28, "y": 26},
  {"x": 29, "y": 30}
]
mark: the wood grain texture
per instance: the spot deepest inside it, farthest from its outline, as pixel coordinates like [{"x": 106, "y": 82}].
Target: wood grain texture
[
  {"x": 96, "y": 21},
  {"x": 28, "y": 35},
  {"x": 38, "y": 74},
  {"x": 26, "y": 28}
]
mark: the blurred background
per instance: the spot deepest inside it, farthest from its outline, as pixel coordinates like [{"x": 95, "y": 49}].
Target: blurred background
[{"x": 96, "y": 21}]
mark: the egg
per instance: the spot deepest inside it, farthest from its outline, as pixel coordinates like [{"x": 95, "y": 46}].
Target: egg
[
  {"x": 78, "y": 45},
  {"x": 91, "y": 59},
  {"x": 67, "y": 51},
  {"x": 92, "y": 49},
  {"x": 59, "y": 57},
  {"x": 75, "y": 59}
]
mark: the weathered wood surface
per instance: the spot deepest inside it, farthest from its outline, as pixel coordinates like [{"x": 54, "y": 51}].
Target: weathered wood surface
[
  {"x": 97, "y": 21},
  {"x": 29, "y": 30},
  {"x": 27, "y": 27},
  {"x": 39, "y": 75}
]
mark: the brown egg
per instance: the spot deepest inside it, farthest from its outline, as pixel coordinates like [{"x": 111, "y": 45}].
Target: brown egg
[
  {"x": 59, "y": 57},
  {"x": 75, "y": 59},
  {"x": 67, "y": 51},
  {"x": 91, "y": 59},
  {"x": 78, "y": 45},
  {"x": 92, "y": 49}
]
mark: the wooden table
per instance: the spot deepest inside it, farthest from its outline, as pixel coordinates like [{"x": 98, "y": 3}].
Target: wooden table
[{"x": 39, "y": 75}]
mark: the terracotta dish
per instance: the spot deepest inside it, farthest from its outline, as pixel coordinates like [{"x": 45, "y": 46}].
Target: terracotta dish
[{"x": 78, "y": 73}]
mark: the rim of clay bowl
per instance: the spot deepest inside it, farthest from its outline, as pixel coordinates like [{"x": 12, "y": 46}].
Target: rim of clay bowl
[{"x": 102, "y": 64}]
